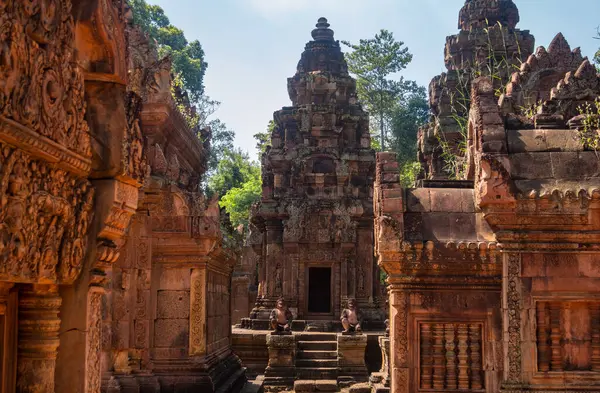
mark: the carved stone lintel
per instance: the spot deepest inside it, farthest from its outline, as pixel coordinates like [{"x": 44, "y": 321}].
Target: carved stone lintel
[{"x": 39, "y": 325}]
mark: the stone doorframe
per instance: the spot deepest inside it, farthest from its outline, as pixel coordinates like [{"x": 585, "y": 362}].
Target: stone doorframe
[{"x": 334, "y": 289}]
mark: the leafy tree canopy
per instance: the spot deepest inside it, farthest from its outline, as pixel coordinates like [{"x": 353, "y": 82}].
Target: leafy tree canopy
[
  {"x": 263, "y": 139},
  {"x": 373, "y": 61},
  {"x": 234, "y": 169},
  {"x": 187, "y": 57},
  {"x": 238, "y": 200}
]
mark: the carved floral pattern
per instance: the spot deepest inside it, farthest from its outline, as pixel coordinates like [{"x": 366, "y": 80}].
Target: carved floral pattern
[
  {"x": 514, "y": 317},
  {"x": 93, "y": 350},
  {"x": 45, "y": 214},
  {"x": 41, "y": 87}
]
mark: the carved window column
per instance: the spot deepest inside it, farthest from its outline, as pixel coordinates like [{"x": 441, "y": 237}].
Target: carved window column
[
  {"x": 555, "y": 337},
  {"x": 426, "y": 357},
  {"x": 8, "y": 337},
  {"x": 512, "y": 306},
  {"x": 595, "y": 329},
  {"x": 39, "y": 325},
  {"x": 198, "y": 312},
  {"x": 439, "y": 366},
  {"x": 543, "y": 336},
  {"x": 399, "y": 340}
]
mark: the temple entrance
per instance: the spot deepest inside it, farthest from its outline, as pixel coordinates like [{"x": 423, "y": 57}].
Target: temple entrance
[{"x": 319, "y": 290}]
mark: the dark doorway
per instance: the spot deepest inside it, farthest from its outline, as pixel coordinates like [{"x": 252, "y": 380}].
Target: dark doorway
[{"x": 319, "y": 290}]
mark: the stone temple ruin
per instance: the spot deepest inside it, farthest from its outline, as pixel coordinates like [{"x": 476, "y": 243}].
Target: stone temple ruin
[{"x": 113, "y": 273}]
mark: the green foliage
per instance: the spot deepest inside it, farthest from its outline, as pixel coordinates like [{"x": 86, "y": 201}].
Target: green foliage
[
  {"x": 498, "y": 67},
  {"x": 409, "y": 172},
  {"x": 590, "y": 133},
  {"x": 187, "y": 57},
  {"x": 238, "y": 200},
  {"x": 221, "y": 143},
  {"x": 410, "y": 113},
  {"x": 263, "y": 139},
  {"x": 597, "y": 55},
  {"x": 234, "y": 169},
  {"x": 373, "y": 61}
]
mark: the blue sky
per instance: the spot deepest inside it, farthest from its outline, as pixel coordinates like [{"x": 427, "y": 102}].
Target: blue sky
[{"x": 253, "y": 46}]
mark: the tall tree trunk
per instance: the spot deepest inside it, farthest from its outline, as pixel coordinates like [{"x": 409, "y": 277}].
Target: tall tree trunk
[{"x": 382, "y": 132}]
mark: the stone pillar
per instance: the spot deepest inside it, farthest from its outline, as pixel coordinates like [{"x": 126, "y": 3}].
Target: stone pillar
[
  {"x": 351, "y": 358},
  {"x": 512, "y": 306},
  {"x": 282, "y": 359},
  {"x": 384, "y": 344},
  {"x": 198, "y": 312},
  {"x": 399, "y": 340},
  {"x": 39, "y": 325}
]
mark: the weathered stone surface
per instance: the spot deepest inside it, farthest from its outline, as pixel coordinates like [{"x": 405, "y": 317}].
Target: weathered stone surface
[
  {"x": 315, "y": 218},
  {"x": 86, "y": 109},
  {"x": 519, "y": 260}
]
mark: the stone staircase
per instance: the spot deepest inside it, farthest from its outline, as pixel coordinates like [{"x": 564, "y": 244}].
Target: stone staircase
[{"x": 316, "y": 362}]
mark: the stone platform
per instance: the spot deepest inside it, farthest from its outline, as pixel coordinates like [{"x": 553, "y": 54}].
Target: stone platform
[{"x": 307, "y": 361}]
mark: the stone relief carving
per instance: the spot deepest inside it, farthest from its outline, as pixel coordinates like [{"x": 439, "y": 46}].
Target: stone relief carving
[
  {"x": 45, "y": 214},
  {"x": 41, "y": 87}
]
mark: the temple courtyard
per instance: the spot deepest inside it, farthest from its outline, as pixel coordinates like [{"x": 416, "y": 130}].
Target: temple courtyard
[{"x": 120, "y": 272}]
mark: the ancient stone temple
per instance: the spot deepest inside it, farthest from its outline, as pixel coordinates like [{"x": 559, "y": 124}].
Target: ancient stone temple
[
  {"x": 312, "y": 233},
  {"x": 82, "y": 114},
  {"x": 494, "y": 278},
  {"x": 170, "y": 299},
  {"x": 488, "y": 43}
]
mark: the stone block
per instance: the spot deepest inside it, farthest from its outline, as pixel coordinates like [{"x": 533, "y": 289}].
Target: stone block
[
  {"x": 392, "y": 205},
  {"x": 589, "y": 265},
  {"x": 173, "y": 304},
  {"x": 418, "y": 200},
  {"x": 467, "y": 199},
  {"x": 174, "y": 279},
  {"x": 531, "y": 166},
  {"x": 326, "y": 385},
  {"x": 351, "y": 357},
  {"x": 171, "y": 333},
  {"x": 524, "y": 141},
  {"x": 304, "y": 386},
  {"x": 562, "y": 140},
  {"x": 445, "y": 200}
]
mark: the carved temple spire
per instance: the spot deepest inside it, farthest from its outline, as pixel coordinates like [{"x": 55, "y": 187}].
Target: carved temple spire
[
  {"x": 322, "y": 32},
  {"x": 481, "y": 13},
  {"x": 323, "y": 53}
]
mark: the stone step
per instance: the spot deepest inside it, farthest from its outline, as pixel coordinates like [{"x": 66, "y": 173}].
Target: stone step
[
  {"x": 316, "y": 373},
  {"x": 254, "y": 385},
  {"x": 307, "y": 354},
  {"x": 235, "y": 383},
  {"x": 310, "y": 386},
  {"x": 316, "y": 337},
  {"x": 317, "y": 345},
  {"x": 316, "y": 363}
]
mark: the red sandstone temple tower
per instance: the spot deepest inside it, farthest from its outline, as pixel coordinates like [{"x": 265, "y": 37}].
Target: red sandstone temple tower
[{"x": 312, "y": 232}]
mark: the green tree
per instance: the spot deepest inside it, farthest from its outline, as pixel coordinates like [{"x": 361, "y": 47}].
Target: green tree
[
  {"x": 410, "y": 113},
  {"x": 238, "y": 200},
  {"x": 233, "y": 170},
  {"x": 263, "y": 139},
  {"x": 373, "y": 61},
  {"x": 597, "y": 55},
  {"x": 221, "y": 144},
  {"x": 187, "y": 57}
]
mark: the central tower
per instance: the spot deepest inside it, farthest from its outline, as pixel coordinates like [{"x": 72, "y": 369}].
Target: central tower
[{"x": 312, "y": 232}]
